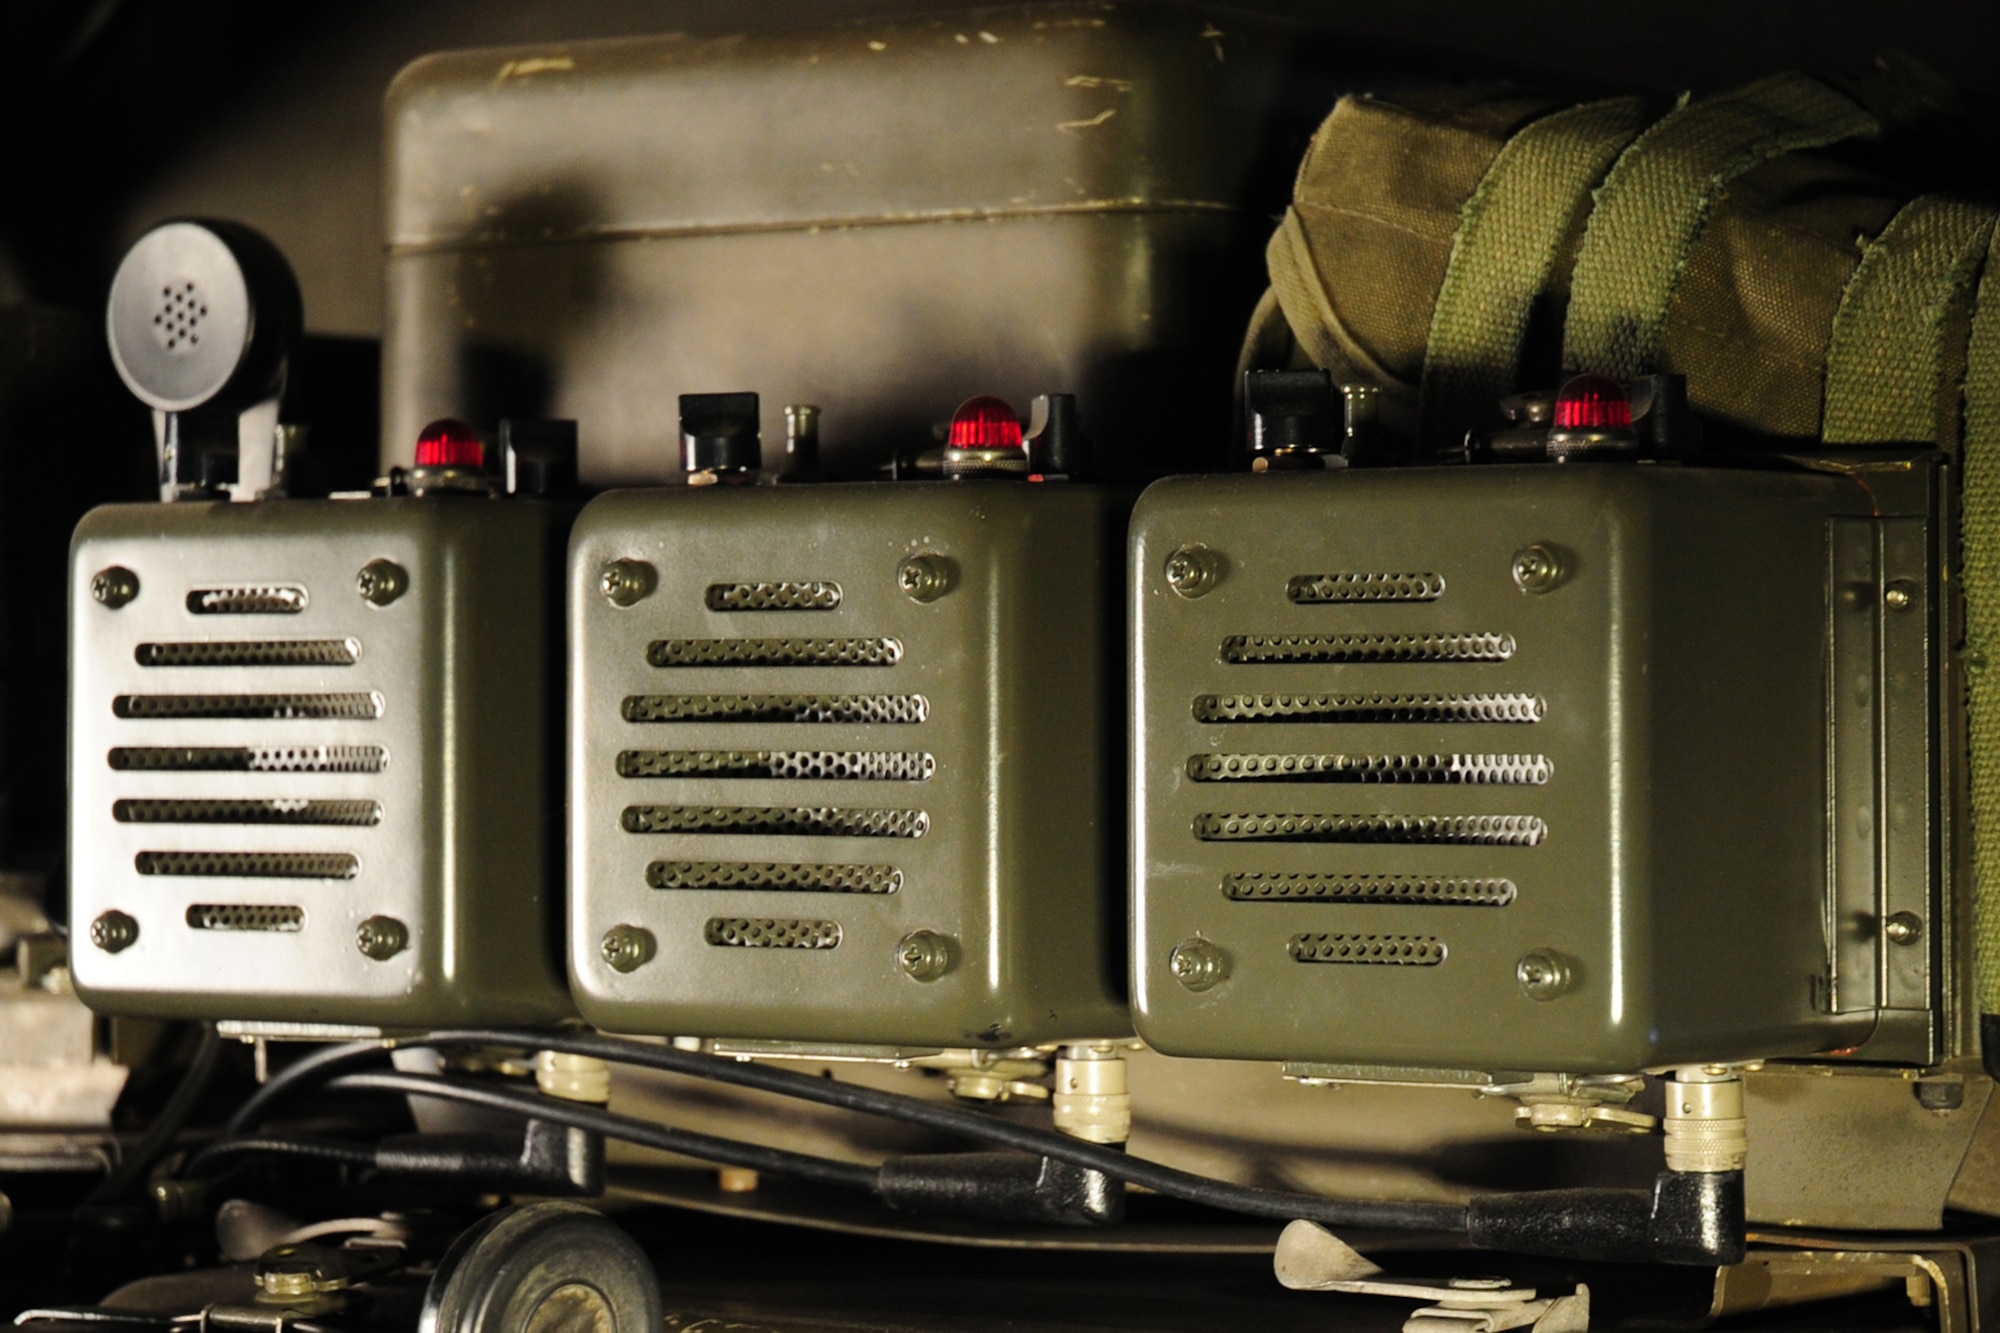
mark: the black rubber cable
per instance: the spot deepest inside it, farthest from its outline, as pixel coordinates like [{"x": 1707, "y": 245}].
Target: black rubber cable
[
  {"x": 1387, "y": 1215},
  {"x": 158, "y": 1139},
  {"x": 205, "y": 1161},
  {"x": 688, "y": 1143}
]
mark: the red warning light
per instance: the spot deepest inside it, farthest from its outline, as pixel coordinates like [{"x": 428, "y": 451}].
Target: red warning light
[
  {"x": 1593, "y": 402},
  {"x": 450, "y": 443},
  {"x": 985, "y": 422}
]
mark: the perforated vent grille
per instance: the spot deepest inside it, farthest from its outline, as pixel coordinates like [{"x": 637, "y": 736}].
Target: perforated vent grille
[
  {"x": 273, "y": 706},
  {"x": 177, "y": 322},
  {"x": 1280, "y": 648},
  {"x": 838, "y": 765},
  {"x": 1283, "y": 708},
  {"x": 1390, "y": 950},
  {"x": 1470, "y": 830},
  {"x": 271, "y": 599},
  {"x": 1428, "y": 890},
  {"x": 1309, "y": 588},
  {"x": 828, "y": 708},
  {"x": 249, "y": 758},
  {"x": 281, "y": 811},
  {"x": 249, "y": 865},
  {"x": 773, "y": 596},
  {"x": 773, "y": 876},
  {"x": 774, "y": 652},
  {"x": 797, "y": 821},
  {"x": 260, "y": 652},
  {"x": 743, "y": 932},
  {"x": 1477, "y": 769},
  {"x": 246, "y": 916}
]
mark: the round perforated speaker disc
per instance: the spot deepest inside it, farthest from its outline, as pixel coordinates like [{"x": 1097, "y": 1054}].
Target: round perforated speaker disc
[{"x": 179, "y": 320}]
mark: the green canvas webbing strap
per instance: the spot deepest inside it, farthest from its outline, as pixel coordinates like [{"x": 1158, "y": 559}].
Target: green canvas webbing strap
[
  {"x": 1980, "y": 534},
  {"x": 1508, "y": 236},
  {"x": 1653, "y": 205},
  {"x": 1885, "y": 365},
  {"x": 1320, "y": 331}
]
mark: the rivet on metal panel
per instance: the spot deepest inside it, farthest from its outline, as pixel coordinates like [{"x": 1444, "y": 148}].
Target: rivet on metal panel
[
  {"x": 1543, "y": 974},
  {"x": 1538, "y": 568},
  {"x": 115, "y": 586},
  {"x": 924, "y": 954},
  {"x": 1199, "y": 964},
  {"x": 626, "y": 582},
  {"x": 381, "y": 582},
  {"x": 1903, "y": 927},
  {"x": 114, "y": 931},
  {"x": 382, "y": 937},
  {"x": 628, "y": 948},
  {"x": 1900, "y": 595},
  {"x": 925, "y": 577},
  {"x": 1193, "y": 570}
]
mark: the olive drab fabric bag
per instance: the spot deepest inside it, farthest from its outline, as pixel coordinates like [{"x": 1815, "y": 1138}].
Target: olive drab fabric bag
[{"x": 1455, "y": 249}]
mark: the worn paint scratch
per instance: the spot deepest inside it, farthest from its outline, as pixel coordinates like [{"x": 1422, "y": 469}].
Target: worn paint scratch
[
  {"x": 878, "y": 46},
  {"x": 1098, "y": 81},
  {"x": 961, "y": 39},
  {"x": 989, "y": 39},
  {"x": 521, "y": 69},
  {"x": 1072, "y": 126},
  {"x": 1214, "y": 35}
]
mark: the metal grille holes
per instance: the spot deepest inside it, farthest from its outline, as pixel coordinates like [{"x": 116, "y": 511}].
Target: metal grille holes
[
  {"x": 1272, "y": 648},
  {"x": 274, "y": 706},
  {"x": 1473, "y": 769},
  {"x": 249, "y": 758},
  {"x": 284, "y": 811},
  {"x": 847, "y": 765},
  {"x": 1424, "y": 890},
  {"x": 794, "y": 821},
  {"x": 1310, "y": 588},
  {"x": 259, "y": 653},
  {"x": 1279, "y": 708},
  {"x": 1473, "y": 830},
  {"x": 774, "y": 652},
  {"x": 249, "y": 865},
  {"x": 1393, "y": 950},
  {"x": 281, "y": 599},
  {"x": 744, "y": 932},
  {"x": 245, "y": 916},
  {"x": 772, "y": 876},
  {"x": 776, "y": 708},
  {"x": 773, "y": 596}
]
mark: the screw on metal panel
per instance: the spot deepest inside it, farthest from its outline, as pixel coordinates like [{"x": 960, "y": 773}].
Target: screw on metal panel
[
  {"x": 382, "y": 937},
  {"x": 1193, "y": 570},
  {"x": 381, "y": 582},
  {"x": 924, "y": 578},
  {"x": 1900, "y": 595},
  {"x": 924, "y": 954},
  {"x": 114, "y": 931},
  {"x": 1903, "y": 927},
  {"x": 115, "y": 586},
  {"x": 1537, "y": 568},
  {"x": 1543, "y": 975},
  {"x": 628, "y": 948},
  {"x": 1199, "y": 964},
  {"x": 625, "y": 582}
]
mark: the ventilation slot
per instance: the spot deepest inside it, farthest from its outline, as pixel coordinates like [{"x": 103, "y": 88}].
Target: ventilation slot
[
  {"x": 784, "y": 821},
  {"x": 743, "y": 932},
  {"x": 249, "y": 758},
  {"x": 1275, "y": 648},
  {"x": 776, "y": 708},
  {"x": 773, "y": 596},
  {"x": 848, "y": 765},
  {"x": 1471, "y": 830},
  {"x": 1418, "y": 890},
  {"x": 773, "y": 876},
  {"x": 774, "y": 652},
  {"x": 283, "y": 811},
  {"x": 249, "y": 865},
  {"x": 275, "y": 707},
  {"x": 1390, "y": 950},
  {"x": 1314, "y": 588},
  {"x": 246, "y": 916},
  {"x": 1279, "y": 708},
  {"x": 268, "y": 652},
  {"x": 1513, "y": 770},
  {"x": 277, "y": 599}
]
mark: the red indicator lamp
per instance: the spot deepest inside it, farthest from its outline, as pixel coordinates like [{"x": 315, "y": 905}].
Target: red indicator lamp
[
  {"x": 984, "y": 422},
  {"x": 1593, "y": 402},
  {"x": 448, "y": 442}
]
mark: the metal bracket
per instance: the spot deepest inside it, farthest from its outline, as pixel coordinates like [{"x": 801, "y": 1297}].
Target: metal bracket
[{"x": 1311, "y": 1258}]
